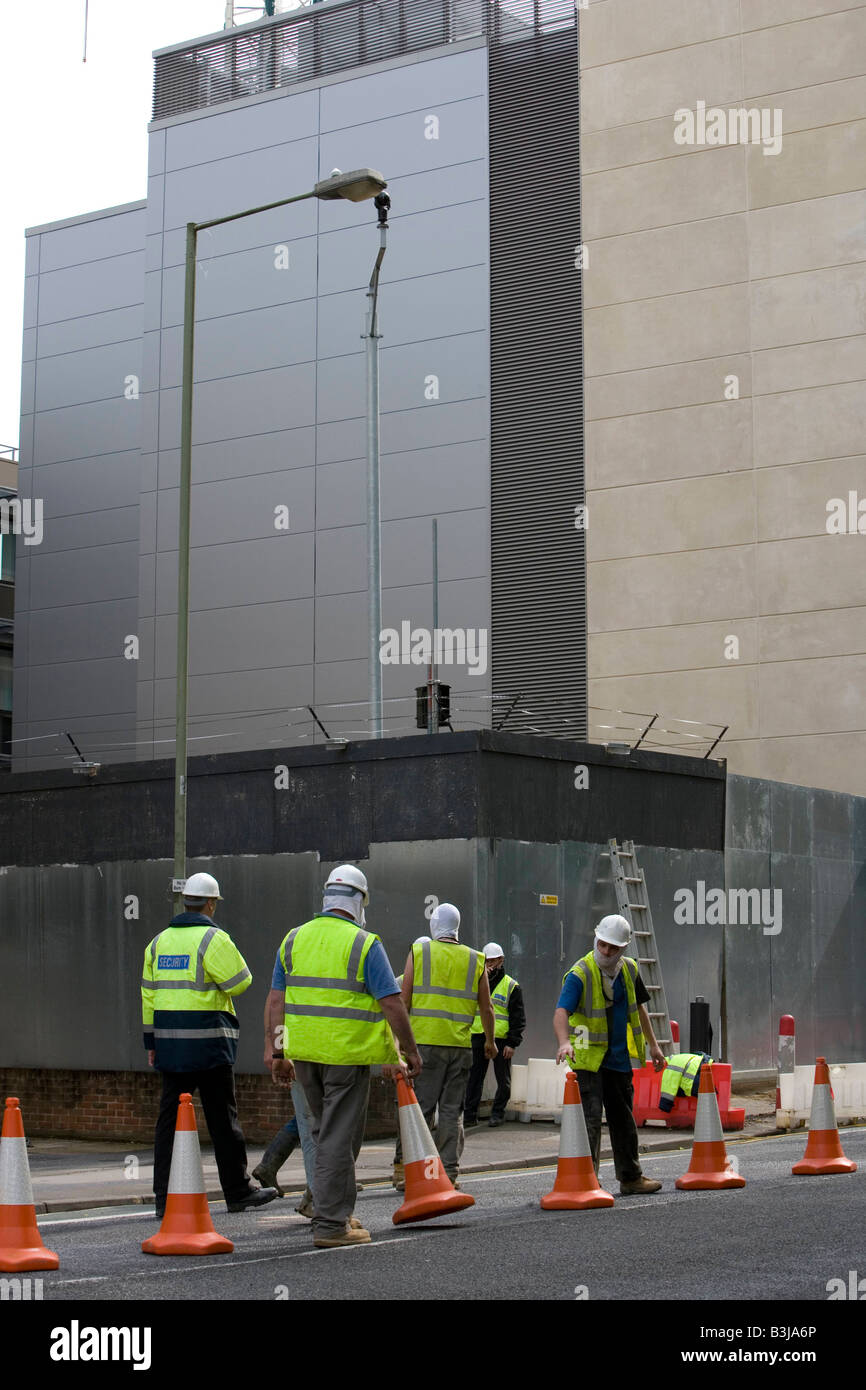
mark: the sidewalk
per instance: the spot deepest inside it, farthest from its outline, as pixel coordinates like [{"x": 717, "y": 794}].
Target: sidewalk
[{"x": 77, "y": 1174}]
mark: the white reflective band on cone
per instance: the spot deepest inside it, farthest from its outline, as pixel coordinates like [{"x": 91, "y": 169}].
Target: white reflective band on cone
[
  {"x": 823, "y": 1114},
  {"x": 186, "y": 1176},
  {"x": 16, "y": 1189},
  {"x": 417, "y": 1140},
  {"x": 573, "y": 1143},
  {"x": 708, "y": 1126}
]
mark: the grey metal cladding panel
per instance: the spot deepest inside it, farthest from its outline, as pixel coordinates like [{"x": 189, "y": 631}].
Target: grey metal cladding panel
[
  {"x": 147, "y": 523},
  {"x": 791, "y": 817},
  {"x": 28, "y": 387},
  {"x": 154, "y": 251},
  {"x": 246, "y": 638},
  {"x": 244, "y": 342},
  {"x": 415, "y": 484},
  {"x": 409, "y": 88},
  {"x": 231, "y": 185},
  {"x": 81, "y": 688},
  {"x": 341, "y": 440},
  {"x": 88, "y": 375},
  {"x": 339, "y": 682},
  {"x": 429, "y": 242},
  {"x": 98, "y": 240},
  {"x": 832, "y": 823},
  {"x": 246, "y": 129},
  {"x": 341, "y": 560},
  {"x": 464, "y": 548},
  {"x": 460, "y": 423},
  {"x": 155, "y": 203},
  {"x": 239, "y": 406},
  {"x": 747, "y": 813},
  {"x": 244, "y": 280},
  {"x": 341, "y": 493},
  {"x": 240, "y": 509},
  {"x": 91, "y": 330},
  {"x": 84, "y": 576},
  {"x": 151, "y": 350},
  {"x": 430, "y": 306},
  {"x": 83, "y": 431},
  {"x": 114, "y": 283},
  {"x": 277, "y": 452},
  {"x": 248, "y": 572},
  {"x": 156, "y": 152},
  {"x": 462, "y": 603},
  {"x": 31, "y": 300},
  {"x": 88, "y": 530},
  {"x": 341, "y": 627},
  {"x": 458, "y": 364},
  {"x": 82, "y": 633},
  {"x": 147, "y": 585},
  {"x": 400, "y": 144},
  {"x": 28, "y": 345},
  {"x": 278, "y": 689},
  {"x": 279, "y": 227},
  {"x": 31, "y": 255}
]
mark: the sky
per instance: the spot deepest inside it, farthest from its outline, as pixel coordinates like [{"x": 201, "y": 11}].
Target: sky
[{"x": 73, "y": 135}]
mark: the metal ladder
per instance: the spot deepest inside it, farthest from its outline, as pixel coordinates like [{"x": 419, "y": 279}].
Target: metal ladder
[{"x": 633, "y": 903}]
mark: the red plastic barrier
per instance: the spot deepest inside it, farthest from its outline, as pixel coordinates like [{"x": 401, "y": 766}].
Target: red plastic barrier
[{"x": 647, "y": 1091}]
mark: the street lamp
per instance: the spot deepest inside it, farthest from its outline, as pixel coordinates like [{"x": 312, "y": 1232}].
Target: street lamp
[
  {"x": 374, "y": 560},
  {"x": 356, "y": 186}
]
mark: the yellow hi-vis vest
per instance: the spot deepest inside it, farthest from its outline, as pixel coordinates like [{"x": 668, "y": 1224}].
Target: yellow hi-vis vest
[
  {"x": 329, "y": 1015},
  {"x": 499, "y": 998},
  {"x": 679, "y": 1075},
  {"x": 444, "y": 992},
  {"x": 589, "y": 1022},
  {"x": 190, "y": 973}
]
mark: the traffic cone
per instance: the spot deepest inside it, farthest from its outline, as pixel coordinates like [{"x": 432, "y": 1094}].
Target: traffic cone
[
  {"x": 186, "y": 1228},
  {"x": 429, "y": 1190},
  {"x": 20, "y": 1242},
  {"x": 709, "y": 1167},
  {"x": 823, "y": 1147},
  {"x": 576, "y": 1187}
]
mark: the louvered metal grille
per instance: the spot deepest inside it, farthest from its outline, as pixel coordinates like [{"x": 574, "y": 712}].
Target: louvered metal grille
[
  {"x": 538, "y": 640},
  {"x": 305, "y": 45}
]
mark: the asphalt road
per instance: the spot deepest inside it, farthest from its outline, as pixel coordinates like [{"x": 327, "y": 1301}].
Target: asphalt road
[{"x": 779, "y": 1238}]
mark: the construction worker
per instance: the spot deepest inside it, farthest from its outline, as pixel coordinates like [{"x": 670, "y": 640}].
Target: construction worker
[
  {"x": 444, "y": 984},
  {"x": 191, "y": 972},
  {"x": 682, "y": 1076},
  {"x": 332, "y": 998},
  {"x": 603, "y": 999},
  {"x": 506, "y": 997}
]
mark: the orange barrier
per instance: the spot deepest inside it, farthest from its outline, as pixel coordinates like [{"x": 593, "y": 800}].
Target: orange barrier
[
  {"x": 186, "y": 1228},
  {"x": 709, "y": 1163},
  {"x": 576, "y": 1187},
  {"x": 824, "y": 1152},
  {"x": 647, "y": 1090},
  {"x": 21, "y": 1245},
  {"x": 429, "y": 1190}
]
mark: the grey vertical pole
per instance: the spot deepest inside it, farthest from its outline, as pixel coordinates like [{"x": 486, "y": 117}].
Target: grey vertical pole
[
  {"x": 374, "y": 571},
  {"x": 434, "y": 690},
  {"x": 182, "y": 706}
]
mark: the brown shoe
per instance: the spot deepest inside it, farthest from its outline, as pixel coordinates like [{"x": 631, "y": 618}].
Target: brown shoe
[
  {"x": 640, "y": 1185},
  {"x": 355, "y": 1236}
]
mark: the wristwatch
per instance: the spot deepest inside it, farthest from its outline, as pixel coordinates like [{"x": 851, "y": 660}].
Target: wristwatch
[{"x": 277, "y": 1057}]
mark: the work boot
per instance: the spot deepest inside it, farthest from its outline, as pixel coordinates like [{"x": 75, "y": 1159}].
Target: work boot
[
  {"x": 399, "y": 1177},
  {"x": 305, "y": 1206},
  {"x": 355, "y": 1235},
  {"x": 273, "y": 1159},
  {"x": 256, "y": 1197},
  {"x": 496, "y": 1120},
  {"x": 640, "y": 1185}
]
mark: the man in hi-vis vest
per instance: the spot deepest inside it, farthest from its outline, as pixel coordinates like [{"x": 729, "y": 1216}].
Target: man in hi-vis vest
[
  {"x": 443, "y": 985},
  {"x": 333, "y": 997},
  {"x": 506, "y": 996},
  {"x": 603, "y": 1000}
]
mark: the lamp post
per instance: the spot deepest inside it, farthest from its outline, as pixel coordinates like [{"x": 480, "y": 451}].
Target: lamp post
[
  {"x": 374, "y": 559},
  {"x": 356, "y": 187}
]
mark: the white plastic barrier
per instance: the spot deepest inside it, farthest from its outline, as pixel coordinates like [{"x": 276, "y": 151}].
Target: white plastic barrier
[
  {"x": 848, "y": 1081},
  {"x": 518, "y": 1084}
]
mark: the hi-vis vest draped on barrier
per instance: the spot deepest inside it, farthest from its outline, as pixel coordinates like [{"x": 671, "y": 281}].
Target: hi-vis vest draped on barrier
[
  {"x": 589, "y": 1022},
  {"x": 329, "y": 1016},
  {"x": 444, "y": 992},
  {"x": 190, "y": 973},
  {"x": 499, "y": 998},
  {"x": 680, "y": 1073}
]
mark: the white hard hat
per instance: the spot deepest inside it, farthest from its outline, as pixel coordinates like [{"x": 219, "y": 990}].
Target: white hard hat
[
  {"x": 614, "y": 929},
  {"x": 492, "y": 951},
  {"x": 202, "y": 886},
  {"x": 351, "y": 877}
]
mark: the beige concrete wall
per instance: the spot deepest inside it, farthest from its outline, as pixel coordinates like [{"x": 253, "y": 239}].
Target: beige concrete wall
[{"x": 708, "y": 515}]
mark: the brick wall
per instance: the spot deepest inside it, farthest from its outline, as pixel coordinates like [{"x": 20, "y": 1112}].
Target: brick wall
[{"x": 122, "y": 1105}]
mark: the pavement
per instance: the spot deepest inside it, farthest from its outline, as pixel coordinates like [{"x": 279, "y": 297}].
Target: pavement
[{"x": 81, "y": 1175}]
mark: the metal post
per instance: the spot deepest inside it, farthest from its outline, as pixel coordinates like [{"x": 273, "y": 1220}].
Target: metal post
[
  {"x": 434, "y": 685},
  {"x": 374, "y": 559},
  {"x": 182, "y": 708}
]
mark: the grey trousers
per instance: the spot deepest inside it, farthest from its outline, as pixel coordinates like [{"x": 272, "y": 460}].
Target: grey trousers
[
  {"x": 337, "y": 1099},
  {"x": 442, "y": 1083}
]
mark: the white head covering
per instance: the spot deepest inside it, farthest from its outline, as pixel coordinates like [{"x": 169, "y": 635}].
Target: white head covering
[
  {"x": 445, "y": 921},
  {"x": 339, "y": 897}
]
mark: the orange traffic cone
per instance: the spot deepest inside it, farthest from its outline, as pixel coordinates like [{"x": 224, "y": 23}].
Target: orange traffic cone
[
  {"x": 429, "y": 1191},
  {"x": 576, "y": 1187},
  {"x": 186, "y": 1228},
  {"x": 20, "y": 1242},
  {"x": 709, "y": 1167},
  {"x": 823, "y": 1147}
]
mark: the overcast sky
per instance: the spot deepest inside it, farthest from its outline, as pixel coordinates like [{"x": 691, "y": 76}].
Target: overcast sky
[{"x": 73, "y": 135}]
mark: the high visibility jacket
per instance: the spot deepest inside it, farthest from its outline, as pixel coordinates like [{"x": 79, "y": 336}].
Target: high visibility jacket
[
  {"x": 589, "y": 1022},
  {"x": 682, "y": 1073},
  {"x": 191, "y": 970},
  {"x": 445, "y": 984},
  {"x": 329, "y": 1015},
  {"x": 499, "y": 998}
]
